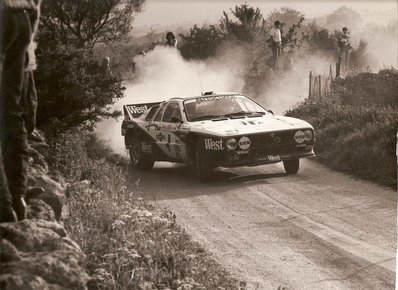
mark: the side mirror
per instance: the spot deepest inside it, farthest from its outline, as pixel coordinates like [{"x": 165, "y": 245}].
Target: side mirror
[{"x": 176, "y": 120}]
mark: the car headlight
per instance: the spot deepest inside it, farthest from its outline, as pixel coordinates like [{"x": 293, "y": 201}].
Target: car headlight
[
  {"x": 308, "y": 135},
  {"x": 231, "y": 144}
]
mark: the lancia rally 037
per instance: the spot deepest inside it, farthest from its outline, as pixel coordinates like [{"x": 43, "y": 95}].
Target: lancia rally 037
[{"x": 211, "y": 130}]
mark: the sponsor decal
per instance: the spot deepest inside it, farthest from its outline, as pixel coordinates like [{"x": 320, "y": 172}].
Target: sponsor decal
[
  {"x": 160, "y": 137},
  {"x": 146, "y": 148},
  {"x": 136, "y": 109},
  {"x": 204, "y": 99},
  {"x": 274, "y": 158},
  {"x": 270, "y": 158},
  {"x": 211, "y": 144},
  {"x": 244, "y": 143},
  {"x": 299, "y": 137}
]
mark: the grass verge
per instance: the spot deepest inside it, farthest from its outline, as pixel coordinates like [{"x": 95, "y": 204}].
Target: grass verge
[
  {"x": 129, "y": 244},
  {"x": 355, "y": 139}
]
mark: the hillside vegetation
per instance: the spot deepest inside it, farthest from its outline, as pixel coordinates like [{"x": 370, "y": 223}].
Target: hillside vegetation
[{"x": 356, "y": 133}]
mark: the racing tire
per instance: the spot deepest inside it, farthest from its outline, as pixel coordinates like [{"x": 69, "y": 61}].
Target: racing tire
[
  {"x": 291, "y": 166},
  {"x": 202, "y": 169},
  {"x": 139, "y": 160}
]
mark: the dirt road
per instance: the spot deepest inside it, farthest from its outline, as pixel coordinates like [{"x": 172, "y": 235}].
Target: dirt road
[{"x": 318, "y": 229}]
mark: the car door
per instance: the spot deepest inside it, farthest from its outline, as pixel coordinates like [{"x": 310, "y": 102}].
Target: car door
[{"x": 170, "y": 128}]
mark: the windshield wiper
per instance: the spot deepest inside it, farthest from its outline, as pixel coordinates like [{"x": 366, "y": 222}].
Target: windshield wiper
[
  {"x": 240, "y": 113},
  {"x": 257, "y": 113},
  {"x": 243, "y": 113},
  {"x": 206, "y": 117}
]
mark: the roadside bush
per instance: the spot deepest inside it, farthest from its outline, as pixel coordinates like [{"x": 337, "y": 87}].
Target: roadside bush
[
  {"x": 357, "y": 140},
  {"x": 201, "y": 42},
  {"x": 129, "y": 244}
]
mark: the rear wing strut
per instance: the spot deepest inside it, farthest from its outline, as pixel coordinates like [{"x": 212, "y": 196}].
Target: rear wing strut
[{"x": 135, "y": 110}]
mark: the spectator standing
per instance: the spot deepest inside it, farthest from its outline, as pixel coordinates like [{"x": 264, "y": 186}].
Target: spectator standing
[
  {"x": 18, "y": 19},
  {"x": 171, "y": 40},
  {"x": 344, "y": 44},
  {"x": 29, "y": 93},
  {"x": 276, "y": 42}
]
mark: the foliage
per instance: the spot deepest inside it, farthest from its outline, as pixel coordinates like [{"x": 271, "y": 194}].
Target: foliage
[
  {"x": 291, "y": 39},
  {"x": 286, "y": 16},
  {"x": 354, "y": 135},
  {"x": 87, "y": 22},
  {"x": 72, "y": 89},
  {"x": 201, "y": 42},
  {"x": 320, "y": 39},
  {"x": 359, "y": 58},
  {"x": 249, "y": 22},
  {"x": 129, "y": 244},
  {"x": 369, "y": 89}
]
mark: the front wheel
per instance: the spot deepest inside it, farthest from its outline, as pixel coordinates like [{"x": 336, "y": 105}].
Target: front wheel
[
  {"x": 291, "y": 166},
  {"x": 139, "y": 159},
  {"x": 202, "y": 169}
]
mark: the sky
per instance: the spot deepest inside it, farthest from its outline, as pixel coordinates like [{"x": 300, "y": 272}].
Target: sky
[{"x": 174, "y": 12}]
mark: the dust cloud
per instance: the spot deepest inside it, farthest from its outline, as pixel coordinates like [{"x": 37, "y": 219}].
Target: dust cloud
[{"x": 163, "y": 74}]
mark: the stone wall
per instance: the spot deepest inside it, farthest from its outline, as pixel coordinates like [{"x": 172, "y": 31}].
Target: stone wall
[{"x": 37, "y": 253}]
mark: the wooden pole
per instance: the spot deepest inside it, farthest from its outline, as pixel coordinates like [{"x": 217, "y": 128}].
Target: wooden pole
[
  {"x": 320, "y": 87},
  {"x": 338, "y": 67},
  {"x": 330, "y": 72},
  {"x": 310, "y": 86}
]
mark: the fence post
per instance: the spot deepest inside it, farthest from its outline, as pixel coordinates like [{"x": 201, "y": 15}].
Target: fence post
[
  {"x": 320, "y": 87},
  {"x": 330, "y": 73},
  {"x": 310, "y": 86},
  {"x": 338, "y": 67}
]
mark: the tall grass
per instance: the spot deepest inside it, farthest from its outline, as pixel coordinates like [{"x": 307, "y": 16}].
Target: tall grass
[
  {"x": 358, "y": 140},
  {"x": 129, "y": 244}
]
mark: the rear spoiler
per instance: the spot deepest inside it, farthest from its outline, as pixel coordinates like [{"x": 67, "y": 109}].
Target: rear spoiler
[{"x": 135, "y": 110}]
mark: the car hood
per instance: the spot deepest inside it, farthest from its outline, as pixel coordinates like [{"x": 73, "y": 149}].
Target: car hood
[{"x": 242, "y": 126}]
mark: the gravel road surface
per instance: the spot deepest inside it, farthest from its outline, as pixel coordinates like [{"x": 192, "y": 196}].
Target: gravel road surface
[{"x": 319, "y": 229}]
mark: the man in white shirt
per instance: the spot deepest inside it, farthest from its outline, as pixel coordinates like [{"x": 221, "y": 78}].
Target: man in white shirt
[{"x": 276, "y": 42}]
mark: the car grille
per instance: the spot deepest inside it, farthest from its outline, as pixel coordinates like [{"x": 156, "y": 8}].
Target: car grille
[{"x": 277, "y": 143}]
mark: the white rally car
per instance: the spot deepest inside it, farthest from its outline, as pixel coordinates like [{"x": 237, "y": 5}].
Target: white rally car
[{"x": 211, "y": 130}]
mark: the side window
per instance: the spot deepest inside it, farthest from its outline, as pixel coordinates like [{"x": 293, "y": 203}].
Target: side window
[
  {"x": 172, "y": 110},
  {"x": 151, "y": 112},
  {"x": 159, "y": 115}
]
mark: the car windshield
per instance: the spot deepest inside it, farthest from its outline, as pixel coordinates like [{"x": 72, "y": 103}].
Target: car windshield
[{"x": 216, "y": 107}]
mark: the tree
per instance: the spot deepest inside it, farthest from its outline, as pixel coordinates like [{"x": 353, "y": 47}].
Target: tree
[
  {"x": 71, "y": 89},
  {"x": 287, "y": 16},
  {"x": 87, "y": 22},
  {"x": 344, "y": 16},
  {"x": 250, "y": 23},
  {"x": 202, "y": 42}
]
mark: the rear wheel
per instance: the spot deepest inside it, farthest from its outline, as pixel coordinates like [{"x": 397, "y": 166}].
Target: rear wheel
[
  {"x": 202, "y": 169},
  {"x": 291, "y": 166},
  {"x": 139, "y": 159}
]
